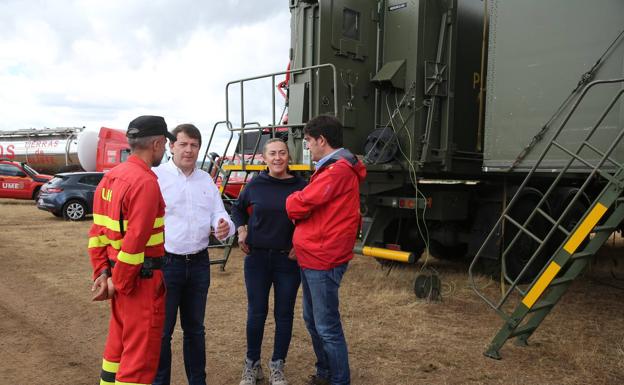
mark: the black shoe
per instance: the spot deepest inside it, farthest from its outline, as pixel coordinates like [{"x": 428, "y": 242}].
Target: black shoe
[{"x": 316, "y": 380}]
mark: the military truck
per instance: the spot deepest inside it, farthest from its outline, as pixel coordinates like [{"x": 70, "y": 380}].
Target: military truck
[{"x": 490, "y": 130}]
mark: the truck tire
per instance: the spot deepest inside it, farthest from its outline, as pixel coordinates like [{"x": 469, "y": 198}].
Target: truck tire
[
  {"x": 448, "y": 252},
  {"x": 74, "y": 210}
]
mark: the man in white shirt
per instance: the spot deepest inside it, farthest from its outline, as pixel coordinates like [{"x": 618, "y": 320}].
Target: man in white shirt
[{"x": 193, "y": 208}]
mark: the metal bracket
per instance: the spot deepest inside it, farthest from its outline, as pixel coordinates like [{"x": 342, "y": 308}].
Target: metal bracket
[
  {"x": 435, "y": 79},
  {"x": 350, "y": 82}
]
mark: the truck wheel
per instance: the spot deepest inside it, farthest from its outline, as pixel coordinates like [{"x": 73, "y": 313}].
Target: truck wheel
[
  {"x": 452, "y": 252},
  {"x": 74, "y": 210}
]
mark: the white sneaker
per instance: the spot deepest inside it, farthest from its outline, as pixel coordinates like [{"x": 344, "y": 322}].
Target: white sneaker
[
  {"x": 252, "y": 372},
  {"x": 277, "y": 373}
]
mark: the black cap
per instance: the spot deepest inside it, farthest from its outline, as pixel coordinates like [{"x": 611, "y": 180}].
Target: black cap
[{"x": 148, "y": 125}]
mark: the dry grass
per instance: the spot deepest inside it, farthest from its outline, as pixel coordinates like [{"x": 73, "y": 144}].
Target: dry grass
[{"x": 48, "y": 326}]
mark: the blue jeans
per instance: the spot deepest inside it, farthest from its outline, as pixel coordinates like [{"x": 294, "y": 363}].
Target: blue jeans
[
  {"x": 187, "y": 285},
  {"x": 322, "y": 318},
  {"x": 265, "y": 268}
]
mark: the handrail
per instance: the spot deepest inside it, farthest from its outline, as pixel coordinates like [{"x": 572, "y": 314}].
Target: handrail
[
  {"x": 258, "y": 127},
  {"x": 273, "y": 75},
  {"x": 507, "y": 210}
]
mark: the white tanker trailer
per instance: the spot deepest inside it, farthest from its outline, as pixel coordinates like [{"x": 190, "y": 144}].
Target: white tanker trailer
[{"x": 63, "y": 149}]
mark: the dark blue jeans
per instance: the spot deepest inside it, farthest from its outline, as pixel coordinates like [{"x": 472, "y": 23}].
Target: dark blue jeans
[
  {"x": 187, "y": 285},
  {"x": 265, "y": 268},
  {"x": 322, "y": 318}
]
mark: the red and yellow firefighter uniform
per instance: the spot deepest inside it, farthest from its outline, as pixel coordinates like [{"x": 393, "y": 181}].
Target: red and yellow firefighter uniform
[{"x": 127, "y": 236}]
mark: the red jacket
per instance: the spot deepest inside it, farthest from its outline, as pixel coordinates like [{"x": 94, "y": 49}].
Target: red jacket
[
  {"x": 327, "y": 213},
  {"x": 128, "y": 222}
]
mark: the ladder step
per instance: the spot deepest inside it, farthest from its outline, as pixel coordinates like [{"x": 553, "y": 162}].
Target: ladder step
[
  {"x": 539, "y": 305},
  {"x": 561, "y": 281},
  {"x": 523, "y": 330},
  {"x": 583, "y": 254}
]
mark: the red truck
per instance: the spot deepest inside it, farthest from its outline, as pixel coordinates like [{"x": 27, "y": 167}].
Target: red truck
[{"x": 103, "y": 150}]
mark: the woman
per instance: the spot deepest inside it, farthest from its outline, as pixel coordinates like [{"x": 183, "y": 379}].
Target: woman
[{"x": 265, "y": 235}]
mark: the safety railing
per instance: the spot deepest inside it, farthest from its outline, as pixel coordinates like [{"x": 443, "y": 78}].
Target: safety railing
[{"x": 522, "y": 228}]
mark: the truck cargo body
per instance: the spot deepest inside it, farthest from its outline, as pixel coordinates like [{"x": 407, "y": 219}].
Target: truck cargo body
[
  {"x": 393, "y": 49},
  {"x": 538, "y": 51},
  {"x": 449, "y": 103}
]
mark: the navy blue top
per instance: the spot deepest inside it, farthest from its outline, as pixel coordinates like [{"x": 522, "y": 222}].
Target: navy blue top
[{"x": 262, "y": 207}]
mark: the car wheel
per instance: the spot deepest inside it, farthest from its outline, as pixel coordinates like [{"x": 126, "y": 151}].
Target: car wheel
[
  {"x": 35, "y": 194},
  {"x": 74, "y": 210}
]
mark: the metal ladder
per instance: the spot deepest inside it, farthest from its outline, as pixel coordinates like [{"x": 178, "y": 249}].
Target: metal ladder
[
  {"x": 228, "y": 163},
  {"x": 603, "y": 216}
]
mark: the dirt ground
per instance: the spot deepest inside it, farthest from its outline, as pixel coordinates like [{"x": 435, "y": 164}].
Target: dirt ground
[{"x": 50, "y": 332}]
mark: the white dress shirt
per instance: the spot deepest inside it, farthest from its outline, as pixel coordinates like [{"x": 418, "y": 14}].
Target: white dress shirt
[{"x": 193, "y": 206}]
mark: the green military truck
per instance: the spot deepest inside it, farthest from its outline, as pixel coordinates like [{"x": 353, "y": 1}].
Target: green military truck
[{"x": 490, "y": 130}]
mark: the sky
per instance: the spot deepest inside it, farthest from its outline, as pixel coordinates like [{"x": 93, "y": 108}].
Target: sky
[{"x": 94, "y": 63}]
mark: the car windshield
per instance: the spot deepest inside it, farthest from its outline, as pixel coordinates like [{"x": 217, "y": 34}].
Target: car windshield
[{"x": 29, "y": 169}]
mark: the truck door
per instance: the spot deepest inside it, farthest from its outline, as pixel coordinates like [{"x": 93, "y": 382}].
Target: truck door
[{"x": 342, "y": 33}]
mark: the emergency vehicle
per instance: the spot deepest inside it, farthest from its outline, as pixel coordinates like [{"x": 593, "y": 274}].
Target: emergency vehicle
[{"x": 18, "y": 180}]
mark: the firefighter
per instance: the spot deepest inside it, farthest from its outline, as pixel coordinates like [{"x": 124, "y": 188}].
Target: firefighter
[{"x": 126, "y": 245}]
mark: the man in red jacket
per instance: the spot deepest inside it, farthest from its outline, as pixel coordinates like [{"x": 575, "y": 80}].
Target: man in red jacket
[
  {"x": 126, "y": 245},
  {"x": 327, "y": 218}
]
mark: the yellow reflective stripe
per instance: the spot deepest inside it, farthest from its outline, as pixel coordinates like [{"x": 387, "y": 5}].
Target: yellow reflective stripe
[
  {"x": 262, "y": 167},
  {"x": 102, "y": 382},
  {"x": 541, "y": 284},
  {"x": 102, "y": 240},
  {"x": 156, "y": 239},
  {"x": 95, "y": 242},
  {"x": 129, "y": 383},
  {"x": 248, "y": 167},
  {"x": 300, "y": 167},
  {"x": 584, "y": 229},
  {"x": 109, "y": 366},
  {"x": 113, "y": 224},
  {"x": 109, "y": 223},
  {"x": 131, "y": 259}
]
